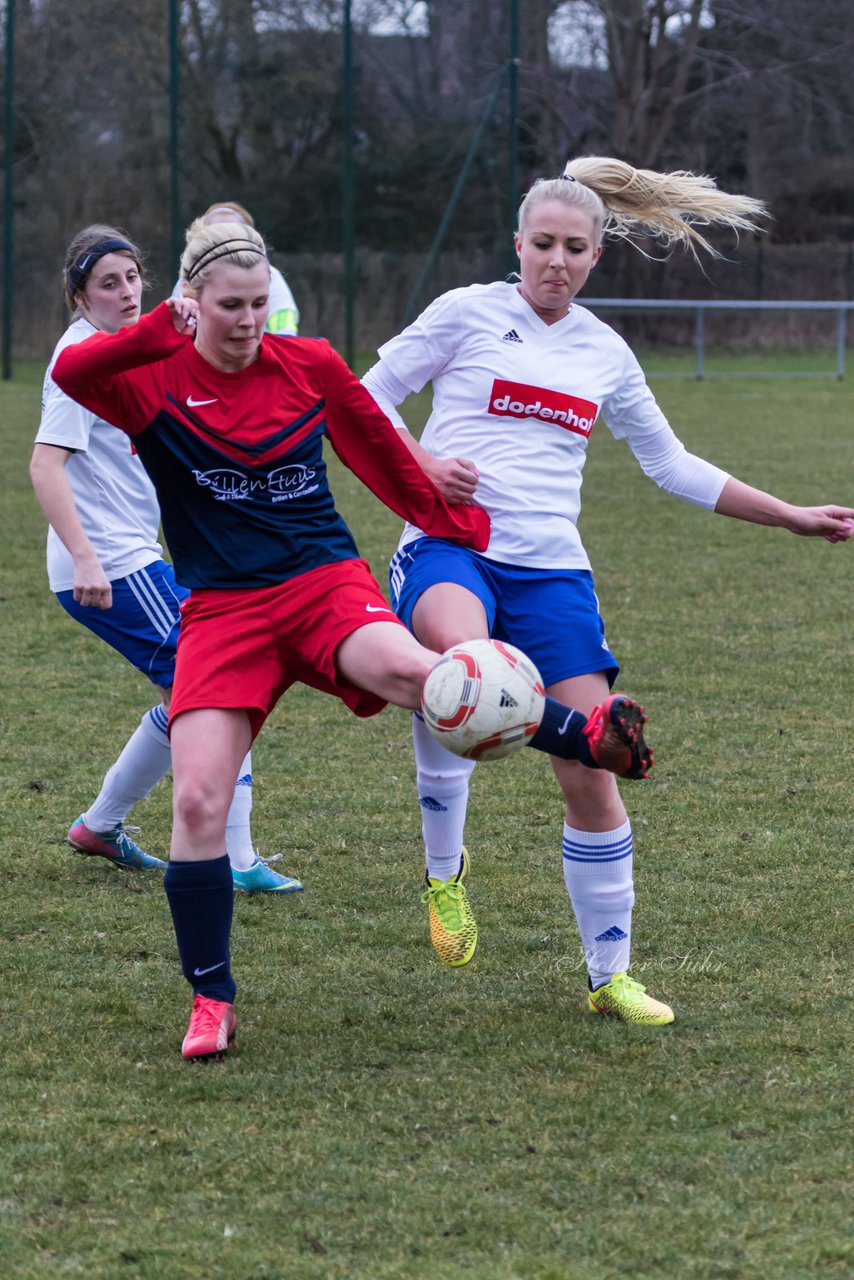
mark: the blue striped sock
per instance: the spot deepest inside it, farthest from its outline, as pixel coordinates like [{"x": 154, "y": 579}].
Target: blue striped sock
[{"x": 597, "y": 871}]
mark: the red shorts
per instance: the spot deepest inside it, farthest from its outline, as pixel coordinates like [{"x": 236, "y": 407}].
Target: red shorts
[{"x": 243, "y": 648}]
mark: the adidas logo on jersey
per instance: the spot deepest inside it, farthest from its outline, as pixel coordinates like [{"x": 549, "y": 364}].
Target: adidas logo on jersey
[{"x": 511, "y": 336}]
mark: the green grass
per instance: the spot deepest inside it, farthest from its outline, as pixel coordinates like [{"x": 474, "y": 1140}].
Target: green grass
[
  {"x": 718, "y": 362},
  {"x": 382, "y": 1119}
]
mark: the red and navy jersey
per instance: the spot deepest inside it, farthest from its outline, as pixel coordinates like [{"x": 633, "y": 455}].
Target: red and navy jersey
[{"x": 237, "y": 458}]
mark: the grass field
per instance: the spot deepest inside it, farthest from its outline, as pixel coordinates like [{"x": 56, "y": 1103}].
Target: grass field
[{"x": 383, "y": 1119}]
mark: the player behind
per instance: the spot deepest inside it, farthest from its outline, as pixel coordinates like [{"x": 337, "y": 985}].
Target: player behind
[
  {"x": 282, "y": 310},
  {"x": 229, "y": 423},
  {"x": 520, "y": 374},
  {"x": 106, "y": 565}
]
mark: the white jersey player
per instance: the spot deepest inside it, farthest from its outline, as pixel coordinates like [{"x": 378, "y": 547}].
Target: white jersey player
[
  {"x": 283, "y": 313},
  {"x": 105, "y": 562},
  {"x": 521, "y": 374}
]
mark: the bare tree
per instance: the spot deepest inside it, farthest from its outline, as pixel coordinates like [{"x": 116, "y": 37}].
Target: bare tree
[
  {"x": 757, "y": 92},
  {"x": 652, "y": 51}
]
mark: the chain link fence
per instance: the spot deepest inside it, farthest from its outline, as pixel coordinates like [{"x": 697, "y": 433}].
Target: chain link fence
[{"x": 385, "y": 284}]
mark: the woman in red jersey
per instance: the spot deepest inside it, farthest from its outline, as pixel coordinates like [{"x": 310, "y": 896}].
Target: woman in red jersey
[
  {"x": 229, "y": 424},
  {"x": 105, "y": 563}
]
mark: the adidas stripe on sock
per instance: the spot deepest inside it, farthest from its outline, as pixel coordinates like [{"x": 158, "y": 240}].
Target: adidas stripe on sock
[{"x": 597, "y": 871}]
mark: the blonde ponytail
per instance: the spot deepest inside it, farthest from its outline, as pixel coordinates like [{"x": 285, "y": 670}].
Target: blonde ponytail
[
  {"x": 667, "y": 206},
  {"x": 628, "y": 204}
]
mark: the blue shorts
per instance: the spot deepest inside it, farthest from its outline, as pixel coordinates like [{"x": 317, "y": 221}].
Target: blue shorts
[
  {"x": 552, "y": 615},
  {"x": 142, "y": 623}
]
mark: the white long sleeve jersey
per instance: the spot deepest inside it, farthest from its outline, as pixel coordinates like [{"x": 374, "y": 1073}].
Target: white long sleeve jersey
[
  {"x": 519, "y": 398},
  {"x": 114, "y": 497}
]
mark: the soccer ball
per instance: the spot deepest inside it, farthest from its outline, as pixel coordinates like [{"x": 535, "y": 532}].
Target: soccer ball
[{"x": 484, "y": 699}]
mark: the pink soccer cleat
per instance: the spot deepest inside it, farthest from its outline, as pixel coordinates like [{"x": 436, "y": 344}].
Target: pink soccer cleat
[{"x": 211, "y": 1030}]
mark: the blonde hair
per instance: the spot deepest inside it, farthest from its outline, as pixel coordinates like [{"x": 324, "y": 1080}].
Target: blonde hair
[
  {"x": 627, "y": 203},
  {"x": 234, "y": 243},
  {"x": 231, "y": 206}
]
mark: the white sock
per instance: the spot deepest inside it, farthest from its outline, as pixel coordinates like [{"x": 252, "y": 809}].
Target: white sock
[
  {"x": 145, "y": 759},
  {"x": 238, "y": 832},
  {"x": 443, "y": 788},
  {"x": 597, "y": 870}
]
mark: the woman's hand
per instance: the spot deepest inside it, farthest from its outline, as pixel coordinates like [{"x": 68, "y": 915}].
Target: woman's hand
[
  {"x": 91, "y": 585},
  {"x": 185, "y": 313},
  {"x": 836, "y": 524},
  {"x": 455, "y": 478},
  {"x": 743, "y": 502}
]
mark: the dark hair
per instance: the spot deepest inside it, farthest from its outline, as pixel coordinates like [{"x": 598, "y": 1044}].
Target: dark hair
[{"x": 86, "y": 248}]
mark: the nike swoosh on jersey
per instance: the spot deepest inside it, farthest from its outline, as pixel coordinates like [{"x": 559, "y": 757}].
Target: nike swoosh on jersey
[
  {"x": 194, "y": 404},
  {"x": 376, "y": 608}
]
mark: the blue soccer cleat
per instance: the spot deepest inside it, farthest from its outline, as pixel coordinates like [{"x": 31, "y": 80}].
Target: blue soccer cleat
[
  {"x": 261, "y": 878},
  {"x": 115, "y": 845}
]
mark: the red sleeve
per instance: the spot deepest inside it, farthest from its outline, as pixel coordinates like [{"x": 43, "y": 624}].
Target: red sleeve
[
  {"x": 108, "y": 373},
  {"x": 370, "y": 446}
]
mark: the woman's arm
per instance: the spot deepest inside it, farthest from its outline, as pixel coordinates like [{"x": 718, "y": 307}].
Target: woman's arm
[
  {"x": 455, "y": 478},
  {"x": 100, "y": 373},
  {"x": 283, "y": 315},
  {"x": 743, "y": 502},
  {"x": 632, "y": 413},
  {"x": 47, "y": 472},
  {"x": 367, "y": 443}
]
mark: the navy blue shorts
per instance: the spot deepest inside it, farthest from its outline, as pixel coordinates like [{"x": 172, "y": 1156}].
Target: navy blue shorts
[
  {"x": 142, "y": 623},
  {"x": 552, "y": 615}
]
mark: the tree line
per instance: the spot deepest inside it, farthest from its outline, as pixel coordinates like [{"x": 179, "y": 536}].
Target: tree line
[{"x": 756, "y": 92}]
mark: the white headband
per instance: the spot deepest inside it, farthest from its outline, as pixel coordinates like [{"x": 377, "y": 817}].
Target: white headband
[{"x": 232, "y": 213}]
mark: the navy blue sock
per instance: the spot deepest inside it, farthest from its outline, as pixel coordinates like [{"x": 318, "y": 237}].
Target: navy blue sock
[
  {"x": 201, "y": 899},
  {"x": 561, "y": 734}
]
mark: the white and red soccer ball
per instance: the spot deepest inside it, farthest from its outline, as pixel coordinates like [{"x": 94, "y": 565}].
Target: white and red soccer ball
[{"x": 484, "y": 700}]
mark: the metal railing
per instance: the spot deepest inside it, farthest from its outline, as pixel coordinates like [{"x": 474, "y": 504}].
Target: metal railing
[{"x": 701, "y": 306}]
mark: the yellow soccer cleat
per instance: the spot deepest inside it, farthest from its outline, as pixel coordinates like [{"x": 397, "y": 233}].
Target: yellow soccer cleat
[
  {"x": 626, "y": 999},
  {"x": 453, "y": 928}
]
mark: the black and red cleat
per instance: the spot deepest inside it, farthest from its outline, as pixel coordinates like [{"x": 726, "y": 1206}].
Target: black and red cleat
[{"x": 614, "y": 734}]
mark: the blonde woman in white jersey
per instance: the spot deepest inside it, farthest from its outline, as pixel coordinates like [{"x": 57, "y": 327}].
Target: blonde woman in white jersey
[
  {"x": 520, "y": 375},
  {"x": 106, "y": 567}
]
